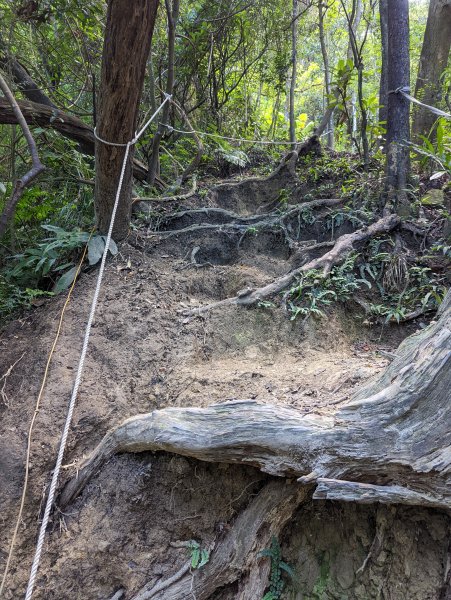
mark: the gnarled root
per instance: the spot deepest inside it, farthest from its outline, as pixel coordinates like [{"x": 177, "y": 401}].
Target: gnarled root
[
  {"x": 343, "y": 246},
  {"x": 236, "y": 557}
]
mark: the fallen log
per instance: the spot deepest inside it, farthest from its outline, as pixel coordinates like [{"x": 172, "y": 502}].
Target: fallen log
[
  {"x": 67, "y": 125},
  {"x": 394, "y": 435}
]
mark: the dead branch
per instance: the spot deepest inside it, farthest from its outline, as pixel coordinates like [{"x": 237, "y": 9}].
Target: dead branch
[
  {"x": 4, "y": 379},
  {"x": 36, "y": 166},
  {"x": 343, "y": 246},
  {"x": 393, "y": 436}
]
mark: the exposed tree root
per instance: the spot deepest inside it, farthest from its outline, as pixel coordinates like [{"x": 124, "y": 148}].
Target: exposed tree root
[
  {"x": 141, "y": 204},
  {"x": 273, "y": 217},
  {"x": 236, "y": 557},
  {"x": 265, "y": 189},
  {"x": 394, "y": 435},
  {"x": 237, "y": 223},
  {"x": 341, "y": 249}
]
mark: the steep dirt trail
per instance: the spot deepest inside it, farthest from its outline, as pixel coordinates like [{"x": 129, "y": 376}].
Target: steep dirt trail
[{"x": 144, "y": 354}]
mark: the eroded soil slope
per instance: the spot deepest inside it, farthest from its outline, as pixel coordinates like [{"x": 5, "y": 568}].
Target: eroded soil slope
[{"x": 145, "y": 354}]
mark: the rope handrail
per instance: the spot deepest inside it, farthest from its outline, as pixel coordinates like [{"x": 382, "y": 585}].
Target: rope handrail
[
  {"x": 405, "y": 91},
  {"x": 59, "y": 461},
  {"x": 223, "y": 137}
]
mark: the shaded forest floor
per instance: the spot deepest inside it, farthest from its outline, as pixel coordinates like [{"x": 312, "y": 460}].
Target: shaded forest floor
[{"x": 145, "y": 353}]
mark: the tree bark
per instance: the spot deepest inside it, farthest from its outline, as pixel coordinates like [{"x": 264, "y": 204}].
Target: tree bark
[
  {"x": 327, "y": 78},
  {"x": 355, "y": 53},
  {"x": 237, "y": 556},
  {"x": 383, "y": 85},
  {"x": 294, "y": 61},
  {"x": 398, "y": 128},
  {"x": 433, "y": 61},
  {"x": 172, "y": 16},
  {"x": 128, "y": 36}
]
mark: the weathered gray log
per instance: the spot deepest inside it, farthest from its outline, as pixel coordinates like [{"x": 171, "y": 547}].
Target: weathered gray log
[
  {"x": 394, "y": 432},
  {"x": 236, "y": 557},
  {"x": 365, "y": 493}
]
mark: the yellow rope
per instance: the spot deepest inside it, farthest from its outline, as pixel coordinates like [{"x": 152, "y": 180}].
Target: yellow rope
[{"x": 35, "y": 414}]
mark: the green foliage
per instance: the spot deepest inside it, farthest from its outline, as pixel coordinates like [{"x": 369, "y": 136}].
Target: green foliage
[
  {"x": 438, "y": 152},
  {"x": 423, "y": 291},
  {"x": 234, "y": 156},
  {"x": 14, "y": 298},
  {"x": 48, "y": 258},
  {"x": 401, "y": 289},
  {"x": 52, "y": 261},
  {"x": 278, "y": 567},
  {"x": 199, "y": 557},
  {"x": 313, "y": 292},
  {"x": 283, "y": 198},
  {"x": 266, "y": 304},
  {"x": 443, "y": 248}
]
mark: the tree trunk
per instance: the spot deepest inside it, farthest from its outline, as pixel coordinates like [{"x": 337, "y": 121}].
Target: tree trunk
[
  {"x": 433, "y": 61},
  {"x": 128, "y": 35},
  {"x": 327, "y": 78},
  {"x": 294, "y": 60},
  {"x": 383, "y": 85},
  {"x": 355, "y": 53},
  {"x": 172, "y": 15},
  {"x": 398, "y": 131}
]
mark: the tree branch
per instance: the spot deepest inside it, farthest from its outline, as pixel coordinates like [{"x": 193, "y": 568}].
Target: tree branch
[
  {"x": 36, "y": 166},
  {"x": 67, "y": 125}
]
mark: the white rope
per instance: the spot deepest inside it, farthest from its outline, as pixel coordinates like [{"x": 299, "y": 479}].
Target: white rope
[
  {"x": 404, "y": 91},
  {"x": 59, "y": 460},
  {"x": 222, "y": 137},
  {"x": 140, "y": 132}
]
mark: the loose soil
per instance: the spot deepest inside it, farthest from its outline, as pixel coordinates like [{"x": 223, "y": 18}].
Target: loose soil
[{"x": 145, "y": 354}]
